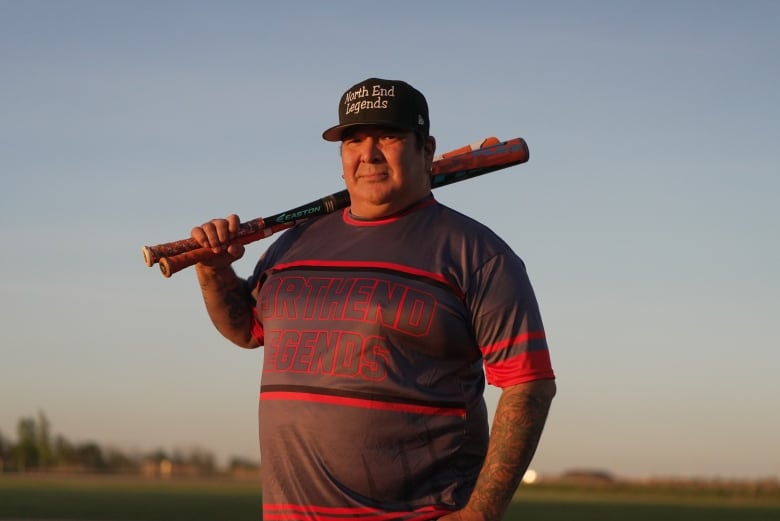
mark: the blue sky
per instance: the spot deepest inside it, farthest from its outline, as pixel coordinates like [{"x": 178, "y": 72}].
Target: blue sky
[{"x": 647, "y": 215}]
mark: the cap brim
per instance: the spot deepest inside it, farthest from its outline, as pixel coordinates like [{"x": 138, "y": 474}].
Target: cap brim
[{"x": 336, "y": 133}]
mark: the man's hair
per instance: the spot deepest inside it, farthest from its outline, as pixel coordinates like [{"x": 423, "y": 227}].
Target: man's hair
[{"x": 419, "y": 141}]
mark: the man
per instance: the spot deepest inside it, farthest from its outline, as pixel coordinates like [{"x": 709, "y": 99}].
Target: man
[{"x": 376, "y": 324}]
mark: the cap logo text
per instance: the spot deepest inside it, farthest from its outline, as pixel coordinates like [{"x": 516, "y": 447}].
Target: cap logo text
[{"x": 354, "y": 102}]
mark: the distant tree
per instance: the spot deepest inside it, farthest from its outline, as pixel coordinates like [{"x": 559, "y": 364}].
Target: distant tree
[
  {"x": 118, "y": 461},
  {"x": 64, "y": 452},
  {"x": 157, "y": 456},
  {"x": 203, "y": 460},
  {"x": 237, "y": 463},
  {"x": 90, "y": 455},
  {"x": 25, "y": 453},
  {"x": 36, "y": 448},
  {"x": 5, "y": 452},
  {"x": 43, "y": 442},
  {"x": 198, "y": 458}
]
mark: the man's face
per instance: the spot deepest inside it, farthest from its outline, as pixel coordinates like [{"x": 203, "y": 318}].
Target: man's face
[{"x": 384, "y": 170}]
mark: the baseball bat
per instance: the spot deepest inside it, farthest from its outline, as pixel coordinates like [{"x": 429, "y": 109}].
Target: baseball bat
[
  {"x": 460, "y": 164},
  {"x": 255, "y": 227}
]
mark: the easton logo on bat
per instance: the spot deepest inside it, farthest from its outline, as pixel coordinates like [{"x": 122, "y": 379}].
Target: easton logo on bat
[{"x": 291, "y": 216}]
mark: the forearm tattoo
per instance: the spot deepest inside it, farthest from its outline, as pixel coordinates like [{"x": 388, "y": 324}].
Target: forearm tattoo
[
  {"x": 238, "y": 303},
  {"x": 517, "y": 427},
  {"x": 227, "y": 298}
]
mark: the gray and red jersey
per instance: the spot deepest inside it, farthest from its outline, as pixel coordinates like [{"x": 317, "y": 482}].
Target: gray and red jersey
[{"x": 376, "y": 334}]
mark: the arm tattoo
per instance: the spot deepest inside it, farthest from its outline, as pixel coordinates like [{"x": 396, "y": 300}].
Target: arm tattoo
[
  {"x": 239, "y": 304},
  {"x": 228, "y": 302},
  {"x": 517, "y": 427}
]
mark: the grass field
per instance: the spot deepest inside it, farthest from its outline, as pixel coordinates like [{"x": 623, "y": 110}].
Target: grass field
[{"x": 112, "y": 498}]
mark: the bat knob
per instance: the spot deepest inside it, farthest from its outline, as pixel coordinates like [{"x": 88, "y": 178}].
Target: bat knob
[{"x": 148, "y": 259}]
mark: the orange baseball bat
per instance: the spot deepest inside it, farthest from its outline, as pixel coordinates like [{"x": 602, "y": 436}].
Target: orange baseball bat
[{"x": 484, "y": 156}]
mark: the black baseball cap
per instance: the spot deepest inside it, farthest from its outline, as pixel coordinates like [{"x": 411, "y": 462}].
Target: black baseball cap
[{"x": 375, "y": 101}]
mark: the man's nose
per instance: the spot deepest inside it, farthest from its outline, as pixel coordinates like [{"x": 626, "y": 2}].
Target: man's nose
[{"x": 370, "y": 152}]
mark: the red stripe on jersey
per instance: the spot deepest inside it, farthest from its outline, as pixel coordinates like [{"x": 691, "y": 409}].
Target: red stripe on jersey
[
  {"x": 388, "y": 266},
  {"x": 362, "y": 403},
  {"x": 349, "y": 219},
  {"x": 280, "y": 512},
  {"x": 258, "y": 333},
  {"x": 519, "y": 339},
  {"x": 525, "y": 367}
]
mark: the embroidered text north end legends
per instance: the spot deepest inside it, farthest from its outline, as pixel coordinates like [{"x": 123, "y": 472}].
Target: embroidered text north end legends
[{"x": 377, "y": 91}]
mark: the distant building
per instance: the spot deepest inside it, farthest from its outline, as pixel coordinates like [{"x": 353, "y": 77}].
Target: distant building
[
  {"x": 588, "y": 476},
  {"x": 166, "y": 468}
]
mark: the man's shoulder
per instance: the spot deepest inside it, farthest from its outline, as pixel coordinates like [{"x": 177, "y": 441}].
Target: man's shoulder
[{"x": 457, "y": 221}]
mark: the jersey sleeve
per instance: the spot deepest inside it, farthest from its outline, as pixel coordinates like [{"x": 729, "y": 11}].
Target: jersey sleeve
[
  {"x": 508, "y": 324},
  {"x": 264, "y": 263},
  {"x": 254, "y": 282}
]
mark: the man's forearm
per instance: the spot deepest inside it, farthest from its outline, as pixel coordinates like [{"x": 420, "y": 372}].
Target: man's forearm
[
  {"x": 228, "y": 303},
  {"x": 517, "y": 427}
]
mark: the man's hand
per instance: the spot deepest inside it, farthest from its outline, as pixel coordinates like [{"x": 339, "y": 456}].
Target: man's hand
[
  {"x": 217, "y": 235},
  {"x": 464, "y": 514},
  {"x": 228, "y": 300}
]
